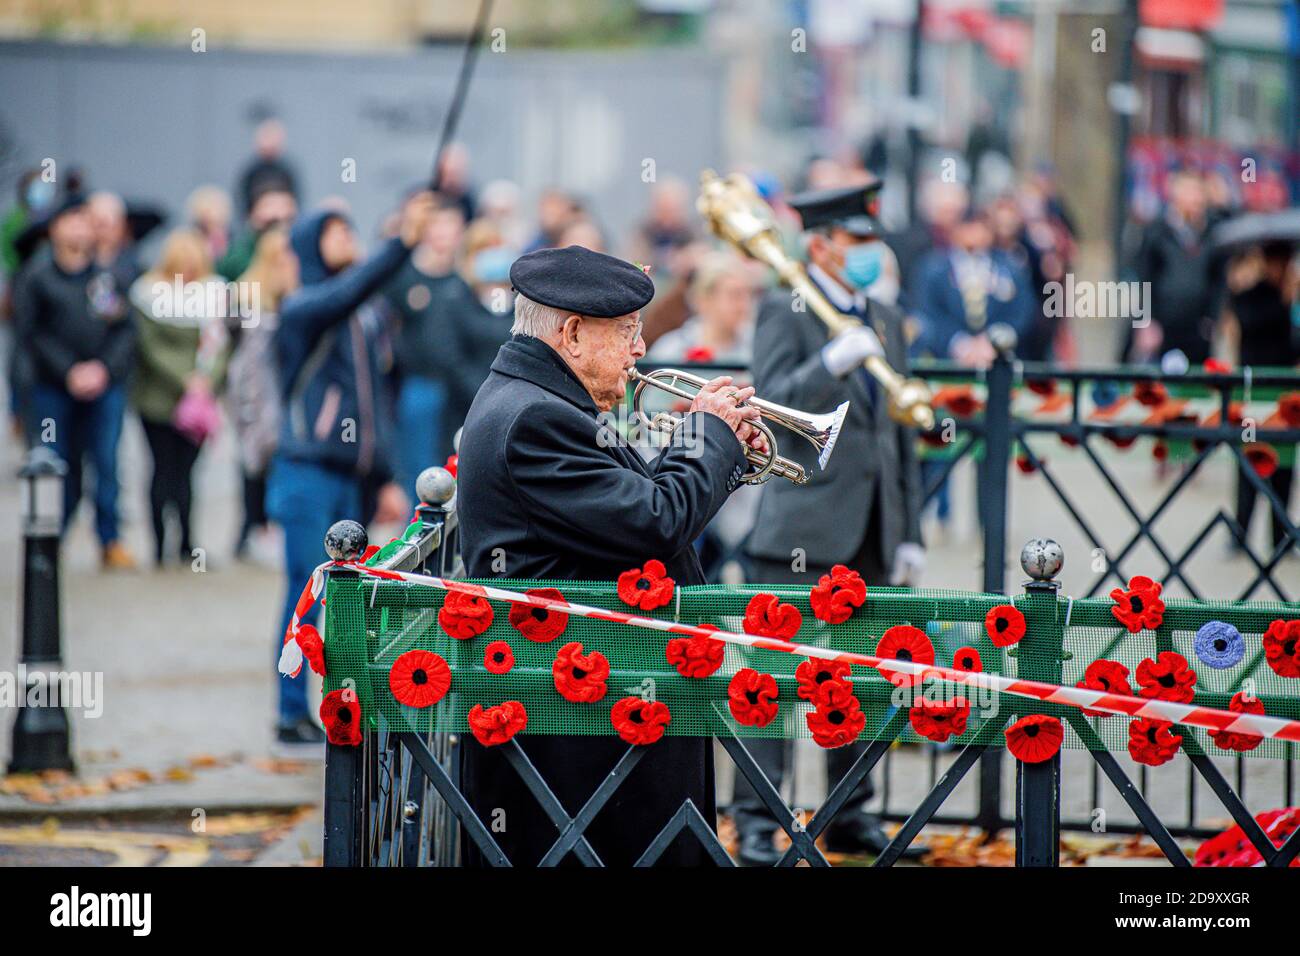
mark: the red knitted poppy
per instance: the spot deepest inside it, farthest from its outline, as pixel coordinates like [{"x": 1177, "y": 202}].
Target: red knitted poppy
[
  {"x": 495, "y": 725},
  {"x": 1152, "y": 742},
  {"x": 1110, "y": 677},
  {"x": 419, "y": 678},
  {"x": 464, "y": 615},
  {"x": 695, "y": 656},
  {"x": 766, "y": 616},
  {"x": 815, "y": 671},
  {"x": 837, "y": 718},
  {"x": 498, "y": 657},
  {"x": 1139, "y": 606},
  {"x": 837, "y": 594},
  {"x": 646, "y": 588},
  {"x": 1004, "y": 625},
  {"x": 1236, "y": 740},
  {"x": 340, "y": 712},
  {"x": 539, "y": 624},
  {"x": 1167, "y": 678},
  {"x": 967, "y": 659},
  {"x": 313, "y": 648},
  {"x": 580, "y": 677},
  {"x": 638, "y": 721},
  {"x": 902, "y": 642},
  {"x": 939, "y": 720},
  {"x": 1282, "y": 647},
  {"x": 1035, "y": 738},
  {"x": 751, "y": 697}
]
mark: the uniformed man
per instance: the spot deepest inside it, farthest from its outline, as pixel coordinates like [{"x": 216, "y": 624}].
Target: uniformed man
[
  {"x": 863, "y": 511},
  {"x": 545, "y": 491}
]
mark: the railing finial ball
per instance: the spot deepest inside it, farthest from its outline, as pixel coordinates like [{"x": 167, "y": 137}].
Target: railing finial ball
[
  {"x": 435, "y": 486},
  {"x": 1042, "y": 559},
  {"x": 346, "y": 541}
]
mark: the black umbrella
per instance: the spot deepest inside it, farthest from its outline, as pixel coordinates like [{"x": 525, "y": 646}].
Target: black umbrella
[{"x": 1255, "y": 228}]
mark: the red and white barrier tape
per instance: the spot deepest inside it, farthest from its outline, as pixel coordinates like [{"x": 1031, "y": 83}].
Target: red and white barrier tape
[{"x": 1208, "y": 718}]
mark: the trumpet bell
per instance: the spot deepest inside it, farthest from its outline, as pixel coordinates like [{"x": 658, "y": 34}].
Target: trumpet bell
[{"x": 832, "y": 432}]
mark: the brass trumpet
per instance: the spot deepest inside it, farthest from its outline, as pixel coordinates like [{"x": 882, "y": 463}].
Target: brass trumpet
[
  {"x": 736, "y": 213},
  {"x": 820, "y": 431}
]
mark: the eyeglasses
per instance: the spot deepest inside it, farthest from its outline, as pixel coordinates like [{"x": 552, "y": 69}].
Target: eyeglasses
[{"x": 633, "y": 333}]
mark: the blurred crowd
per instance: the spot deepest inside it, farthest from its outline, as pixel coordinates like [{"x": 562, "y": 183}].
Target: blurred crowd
[{"x": 344, "y": 374}]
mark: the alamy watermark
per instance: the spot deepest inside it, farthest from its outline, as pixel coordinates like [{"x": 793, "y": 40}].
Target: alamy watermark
[
  {"x": 1084, "y": 299},
  {"x": 38, "y": 687}
]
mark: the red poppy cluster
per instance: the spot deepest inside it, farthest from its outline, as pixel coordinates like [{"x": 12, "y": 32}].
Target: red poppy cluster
[
  {"x": 493, "y": 726},
  {"x": 646, "y": 588},
  {"x": 967, "y": 659},
  {"x": 498, "y": 658},
  {"x": 1288, "y": 409},
  {"x": 695, "y": 656},
  {"x": 1235, "y": 740},
  {"x": 815, "y": 671},
  {"x": 837, "y": 717},
  {"x": 340, "y": 713},
  {"x": 579, "y": 677},
  {"x": 1035, "y": 738},
  {"x": 639, "y": 721},
  {"x": 1150, "y": 393},
  {"x": 539, "y": 624},
  {"x": 837, "y": 594},
  {"x": 751, "y": 697},
  {"x": 766, "y": 616},
  {"x": 1152, "y": 742},
  {"x": 939, "y": 720},
  {"x": 419, "y": 678},
  {"x": 902, "y": 642},
  {"x": 313, "y": 648},
  {"x": 465, "y": 615},
  {"x": 1168, "y": 677},
  {"x": 1233, "y": 848},
  {"x": 958, "y": 399},
  {"x": 1139, "y": 606},
  {"x": 1282, "y": 647},
  {"x": 1110, "y": 677},
  {"x": 1045, "y": 387},
  {"x": 1004, "y": 625}
]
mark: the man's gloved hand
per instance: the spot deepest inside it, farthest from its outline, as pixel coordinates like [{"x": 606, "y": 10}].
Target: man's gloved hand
[
  {"x": 842, "y": 354},
  {"x": 909, "y": 565}
]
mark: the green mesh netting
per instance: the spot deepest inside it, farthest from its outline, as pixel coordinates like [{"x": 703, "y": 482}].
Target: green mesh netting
[{"x": 369, "y": 623}]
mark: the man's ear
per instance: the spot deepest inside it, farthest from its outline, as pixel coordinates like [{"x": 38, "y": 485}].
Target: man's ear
[{"x": 570, "y": 335}]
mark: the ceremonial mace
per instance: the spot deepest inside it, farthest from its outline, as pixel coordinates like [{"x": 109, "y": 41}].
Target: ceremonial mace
[{"x": 737, "y": 213}]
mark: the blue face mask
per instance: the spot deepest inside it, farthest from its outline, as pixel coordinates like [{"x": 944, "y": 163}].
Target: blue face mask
[
  {"x": 39, "y": 194},
  {"x": 863, "y": 263}
]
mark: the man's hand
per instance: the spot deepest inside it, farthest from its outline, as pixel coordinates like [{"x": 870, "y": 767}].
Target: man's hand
[
  {"x": 848, "y": 350},
  {"x": 392, "y": 505},
  {"x": 86, "y": 381},
  {"x": 909, "y": 565},
  {"x": 719, "y": 397},
  {"x": 415, "y": 218},
  {"x": 974, "y": 351}
]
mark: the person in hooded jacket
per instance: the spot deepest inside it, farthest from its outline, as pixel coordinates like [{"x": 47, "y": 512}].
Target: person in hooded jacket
[{"x": 335, "y": 435}]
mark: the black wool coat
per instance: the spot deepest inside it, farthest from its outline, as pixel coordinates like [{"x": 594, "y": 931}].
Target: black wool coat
[{"x": 546, "y": 490}]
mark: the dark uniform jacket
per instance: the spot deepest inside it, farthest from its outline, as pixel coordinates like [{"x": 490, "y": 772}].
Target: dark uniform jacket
[
  {"x": 830, "y": 517},
  {"x": 544, "y": 481}
]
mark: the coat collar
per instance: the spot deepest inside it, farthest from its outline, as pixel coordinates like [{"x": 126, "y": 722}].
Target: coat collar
[{"x": 532, "y": 360}]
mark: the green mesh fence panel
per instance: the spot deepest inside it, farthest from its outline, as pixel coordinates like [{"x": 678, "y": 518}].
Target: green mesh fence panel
[{"x": 369, "y": 623}]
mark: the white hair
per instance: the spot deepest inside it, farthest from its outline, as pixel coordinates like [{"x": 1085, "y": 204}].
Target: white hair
[{"x": 537, "y": 320}]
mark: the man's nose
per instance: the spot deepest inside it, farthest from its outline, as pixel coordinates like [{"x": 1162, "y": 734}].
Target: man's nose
[{"x": 638, "y": 347}]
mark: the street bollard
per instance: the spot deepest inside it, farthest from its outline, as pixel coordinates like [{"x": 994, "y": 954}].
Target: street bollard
[
  {"x": 1038, "y": 657},
  {"x": 40, "y": 737}
]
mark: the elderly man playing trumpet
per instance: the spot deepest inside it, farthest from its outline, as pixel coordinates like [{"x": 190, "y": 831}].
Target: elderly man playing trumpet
[{"x": 547, "y": 490}]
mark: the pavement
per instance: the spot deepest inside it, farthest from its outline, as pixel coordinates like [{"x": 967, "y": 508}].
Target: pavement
[{"x": 186, "y": 657}]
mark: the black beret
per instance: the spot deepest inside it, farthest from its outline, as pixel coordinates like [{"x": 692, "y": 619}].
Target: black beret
[
  {"x": 853, "y": 208},
  {"x": 583, "y": 282}
]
